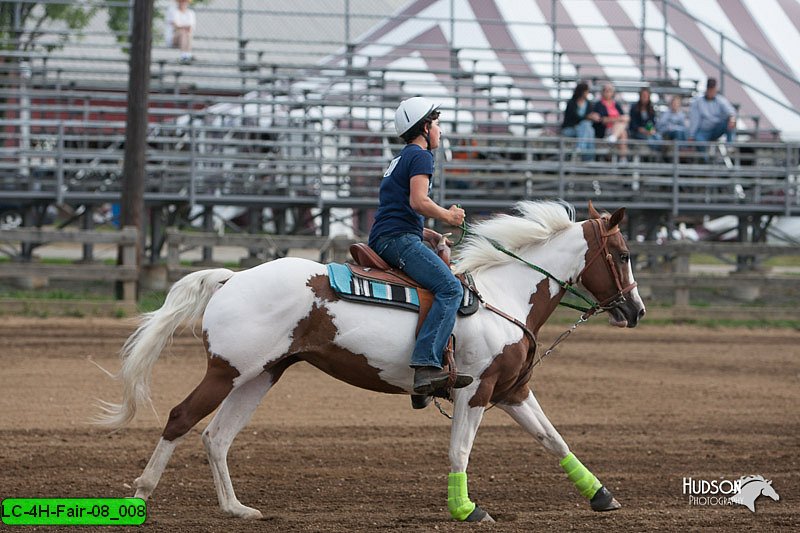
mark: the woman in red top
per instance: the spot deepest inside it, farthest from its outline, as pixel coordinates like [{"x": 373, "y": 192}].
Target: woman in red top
[{"x": 613, "y": 123}]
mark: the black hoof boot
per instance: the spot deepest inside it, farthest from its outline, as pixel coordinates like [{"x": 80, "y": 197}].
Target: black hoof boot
[
  {"x": 603, "y": 500},
  {"x": 420, "y": 401},
  {"x": 478, "y": 515}
]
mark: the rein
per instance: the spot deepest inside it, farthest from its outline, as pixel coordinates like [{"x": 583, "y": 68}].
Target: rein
[{"x": 566, "y": 285}]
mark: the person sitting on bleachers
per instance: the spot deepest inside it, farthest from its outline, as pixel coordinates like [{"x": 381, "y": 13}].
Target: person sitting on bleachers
[
  {"x": 643, "y": 120},
  {"x": 672, "y": 122},
  {"x": 579, "y": 121},
  {"x": 710, "y": 116},
  {"x": 613, "y": 124}
]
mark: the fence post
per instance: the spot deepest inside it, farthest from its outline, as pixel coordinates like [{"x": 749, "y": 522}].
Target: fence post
[
  {"x": 787, "y": 192},
  {"x": 675, "y": 184},
  {"x": 339, "y": 247},
  {"x": 129, "y": 253},
  {"x": 87, "y": 224},
  {"x": 173, "y": 250},
  {"x": 561, "y": 167},
  {"x": 60, "y": 165},
  {"x": 682, "y": 269}
]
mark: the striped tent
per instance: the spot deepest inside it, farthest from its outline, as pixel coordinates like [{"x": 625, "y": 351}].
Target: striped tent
[{"x": 757, "y": 39}]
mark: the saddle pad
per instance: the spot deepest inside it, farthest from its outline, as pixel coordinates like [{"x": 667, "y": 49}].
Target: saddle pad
[{"x": 350, "y": 286}]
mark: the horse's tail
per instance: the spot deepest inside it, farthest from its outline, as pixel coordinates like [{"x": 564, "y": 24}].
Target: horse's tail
[{"x": 185, "y": 302}]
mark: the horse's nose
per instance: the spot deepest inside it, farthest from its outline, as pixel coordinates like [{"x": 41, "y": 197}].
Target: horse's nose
[{"x": 642, "y": 312}]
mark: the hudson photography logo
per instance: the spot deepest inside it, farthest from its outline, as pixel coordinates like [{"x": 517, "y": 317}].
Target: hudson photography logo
[{"x": 743, "y": 491}]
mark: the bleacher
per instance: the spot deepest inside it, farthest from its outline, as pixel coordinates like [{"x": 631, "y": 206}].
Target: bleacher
[{"x": 242, "y": 127}]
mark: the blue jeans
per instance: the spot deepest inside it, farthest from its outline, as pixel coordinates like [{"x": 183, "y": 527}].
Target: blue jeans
[
  {"x": 675, "y": 135},
  {"x": 714, "y": 133},
  {"x": 406, "y": 252},
  {"x": 653, "y": 141},
  {"x": 584, "y": 132}
]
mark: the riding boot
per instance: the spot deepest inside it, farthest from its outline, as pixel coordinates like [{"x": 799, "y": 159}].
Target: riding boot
[{"x": 428, "y": 379}]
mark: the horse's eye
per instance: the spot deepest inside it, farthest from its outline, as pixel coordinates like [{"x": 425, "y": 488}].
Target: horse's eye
[{"x": 624, "y": 256}]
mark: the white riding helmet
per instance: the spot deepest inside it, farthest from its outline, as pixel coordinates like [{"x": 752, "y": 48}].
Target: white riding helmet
[{"x": 411, "y": 111}]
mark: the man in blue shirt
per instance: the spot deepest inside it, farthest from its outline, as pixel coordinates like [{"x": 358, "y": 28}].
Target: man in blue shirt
[
  {"x": 397, "y": 232},
  {"x": 711, "y": 115}
]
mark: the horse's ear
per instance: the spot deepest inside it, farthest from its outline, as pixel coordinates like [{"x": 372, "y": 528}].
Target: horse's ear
[
  {"x": 592, "y": 211},
  {"x": 616, "y": 218},
  {"x": 769, "y": 482}
]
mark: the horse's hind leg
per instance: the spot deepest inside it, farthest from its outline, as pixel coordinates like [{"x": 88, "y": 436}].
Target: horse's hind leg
[
  {"x": 215, "y": 386},
  {"x": 232, "y": 416},
  {"x": 530, "y": 416}
]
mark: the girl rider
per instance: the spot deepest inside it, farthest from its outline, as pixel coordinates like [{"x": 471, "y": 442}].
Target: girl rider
[{"x": 397, "y": 237}]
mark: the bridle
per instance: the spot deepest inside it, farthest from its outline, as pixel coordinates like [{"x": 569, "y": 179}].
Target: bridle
[{"x": 617, "y": 299}]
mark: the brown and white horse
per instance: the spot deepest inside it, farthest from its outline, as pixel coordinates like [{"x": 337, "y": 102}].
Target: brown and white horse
[{"x": 258, "y": 322}]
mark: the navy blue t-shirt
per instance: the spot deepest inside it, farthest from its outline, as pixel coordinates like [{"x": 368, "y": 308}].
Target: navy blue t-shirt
[{"x": 395, "y": 214}]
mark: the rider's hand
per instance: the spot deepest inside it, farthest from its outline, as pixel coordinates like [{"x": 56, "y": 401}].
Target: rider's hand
[{"x": 455, "y": 215}]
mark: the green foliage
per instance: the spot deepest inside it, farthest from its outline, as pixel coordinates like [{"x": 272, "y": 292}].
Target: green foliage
[
  {"x": 23, "y": 24},
  {"x": 151, "y": 301},
  {"x": 118, "y": 20}
]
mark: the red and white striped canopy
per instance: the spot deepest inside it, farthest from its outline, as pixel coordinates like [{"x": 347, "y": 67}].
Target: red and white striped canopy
[{"x": 514, "y": 37}]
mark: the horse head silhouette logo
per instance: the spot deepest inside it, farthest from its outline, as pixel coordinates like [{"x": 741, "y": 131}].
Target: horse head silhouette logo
[{"x": 750, "y": 488}]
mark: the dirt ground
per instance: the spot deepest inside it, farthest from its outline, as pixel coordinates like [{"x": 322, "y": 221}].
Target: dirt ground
[{"x": 642, "y": 408}]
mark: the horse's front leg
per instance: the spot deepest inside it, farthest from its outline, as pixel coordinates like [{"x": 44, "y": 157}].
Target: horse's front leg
[
  {"x": 466, "y": 420},
  {"x": 530, "y": 416}
]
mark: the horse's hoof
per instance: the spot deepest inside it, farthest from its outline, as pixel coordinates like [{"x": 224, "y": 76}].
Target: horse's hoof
[
  {"x": 603, "y": 500},
  {"x": 479, "y": 515},
  {"x": 242, "y": 511},
  {"x": 143, "y": 490}
]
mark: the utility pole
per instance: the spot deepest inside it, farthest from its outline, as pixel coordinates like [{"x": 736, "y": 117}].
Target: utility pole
[{"x": 133, "y": 170}]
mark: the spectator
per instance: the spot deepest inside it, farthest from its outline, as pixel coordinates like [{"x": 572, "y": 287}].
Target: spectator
[
  {"x": 711, "y": 115},
  {"x": 643, "y": 120},
  {"x": 180, "y": 26},
  {"x": 613, "y": 124},
  {"x": 672, "y": 123},
  {"x": 579, "y": 120}
]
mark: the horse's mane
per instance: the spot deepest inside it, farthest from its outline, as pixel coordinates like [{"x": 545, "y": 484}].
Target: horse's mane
[{"x": 534, "y": 223}]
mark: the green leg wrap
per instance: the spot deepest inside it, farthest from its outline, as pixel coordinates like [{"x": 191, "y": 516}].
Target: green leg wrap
[
  {"x": 457, "y": 497},
  {"x": 584, "y": 481}
]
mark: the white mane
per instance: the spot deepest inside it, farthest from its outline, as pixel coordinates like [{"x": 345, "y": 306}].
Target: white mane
[{"x": 535, "y": 223}]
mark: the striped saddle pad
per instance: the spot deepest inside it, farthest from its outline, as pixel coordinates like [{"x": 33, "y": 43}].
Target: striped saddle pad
[{"x": 350, "y": 286}]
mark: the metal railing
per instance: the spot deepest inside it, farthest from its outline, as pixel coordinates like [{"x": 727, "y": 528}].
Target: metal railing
[{"x": 322, "y": 163}]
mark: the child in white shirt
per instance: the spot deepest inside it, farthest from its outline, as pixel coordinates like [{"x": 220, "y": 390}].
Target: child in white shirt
[{"x": 180, "y": 25}]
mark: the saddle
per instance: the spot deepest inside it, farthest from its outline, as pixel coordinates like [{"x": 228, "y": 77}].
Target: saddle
[{"x": 369, "y": 265}]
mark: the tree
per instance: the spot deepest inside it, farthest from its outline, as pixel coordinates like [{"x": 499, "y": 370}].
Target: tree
[{"x": 23, "y": 23}]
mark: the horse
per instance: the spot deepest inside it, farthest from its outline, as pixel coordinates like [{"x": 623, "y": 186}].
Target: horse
[
  {"x": 750, "y": 488},
  {"x": 256, "y": 323}
]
